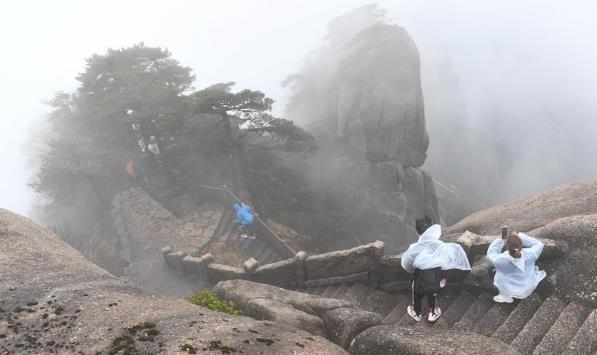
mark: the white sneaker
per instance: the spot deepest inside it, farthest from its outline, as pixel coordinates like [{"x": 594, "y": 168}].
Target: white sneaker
[
  {"x": 243, "y": 236},
  {"x": 411, "y": 312},
  {"x": 433, "y": 316},
  {"x": 503, "y": 299},
  {"x": 252, "y": 237}
]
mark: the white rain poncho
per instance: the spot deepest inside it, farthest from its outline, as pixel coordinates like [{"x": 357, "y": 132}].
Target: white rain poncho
[
  {"x": 516, "y": 277},
  {"x": 430, "y": 252}
]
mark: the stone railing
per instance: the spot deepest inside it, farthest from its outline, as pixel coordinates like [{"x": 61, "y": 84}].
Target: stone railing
[
  {"x": 224, "y": 195},
  {"x": 366, "y": 263}
]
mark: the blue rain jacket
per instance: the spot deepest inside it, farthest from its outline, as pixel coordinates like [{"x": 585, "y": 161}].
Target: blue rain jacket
[
  {"x": 243, "y": 214},
  {"x": 516, "y": 277},
  {"x": 430, "y": 252}
]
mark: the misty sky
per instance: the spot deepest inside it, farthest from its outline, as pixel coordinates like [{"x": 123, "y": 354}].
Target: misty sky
[{"x": 517, "y": 57}]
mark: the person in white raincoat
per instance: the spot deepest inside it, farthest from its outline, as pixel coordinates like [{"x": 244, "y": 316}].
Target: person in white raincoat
[
  {"x": 516, "y": 274},
  {"x": 428, "y": 259}
]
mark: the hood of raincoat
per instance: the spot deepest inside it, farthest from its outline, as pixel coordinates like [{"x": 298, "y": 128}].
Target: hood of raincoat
[
  {"x": 431, "y": 234},
  {"x": 518, "y": 262}
]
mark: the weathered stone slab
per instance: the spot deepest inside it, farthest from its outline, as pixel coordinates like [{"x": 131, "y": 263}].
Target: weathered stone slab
[
  {"x": 165, "y": 251},
  {"x": 174, "y": 259},
  {"x": 344, "y": 262},
  {"x": 192, "y": 265},
  {"x": 397, "y": 286},
  {"x": 241, "y": 292},
  {"x": 343, "y": 324},
  {"x": 478, "y": 244},
  {"x": 349, "y": 279},
  {"x": 218, "y": 272},
  {"x": 250, "y": 265},
  {"x": 279, "y": 273},
  {"x": 391, "y": 270},
  {"x": 267, "y": 309},
  {"x": 394, "y": 339}
]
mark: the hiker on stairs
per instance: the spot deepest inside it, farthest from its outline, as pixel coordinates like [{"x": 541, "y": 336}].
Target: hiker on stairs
[
  {"x": 516, "y": 275},
  {"x": 244, "y": 219},
  {"x": 429, "y": 259}
]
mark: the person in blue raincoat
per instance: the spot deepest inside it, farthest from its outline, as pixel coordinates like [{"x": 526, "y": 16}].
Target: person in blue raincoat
[
  {"x": 244, "y": 219},
  {"x": 516, "y": 274},
  {"x": 429, "y": 259}
]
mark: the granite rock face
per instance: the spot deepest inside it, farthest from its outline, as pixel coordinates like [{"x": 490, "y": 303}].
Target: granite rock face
[
  {"x": 343, "y": 324},
  {"x": 335, "y": 318},
  {"x": 266, "y": 309},
  {"x": 365, "y": 183},
  {"x": 393, "y": 339},
  {"x": 565, "y": 217},
  {"x": 54, "y": 300},
  {"x": 533, "y": 212}
]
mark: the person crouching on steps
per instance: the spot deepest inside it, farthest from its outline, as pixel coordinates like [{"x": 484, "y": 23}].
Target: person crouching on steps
[
  {"x": 429, "y": 259},
  {"x": 244, "y": 219},
  {"x": 516, "y": 275}
]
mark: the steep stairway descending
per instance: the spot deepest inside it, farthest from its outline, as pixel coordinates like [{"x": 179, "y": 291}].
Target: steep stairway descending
[
  {"x": 228, "y": 233},
  {"x": 532, "y": 325}
]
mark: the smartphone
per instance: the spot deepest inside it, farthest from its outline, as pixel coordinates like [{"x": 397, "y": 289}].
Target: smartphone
[{"x": 504, "y": 232}]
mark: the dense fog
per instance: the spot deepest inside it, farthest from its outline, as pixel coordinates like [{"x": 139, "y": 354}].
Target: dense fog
[{"x": 508, "y": 86}]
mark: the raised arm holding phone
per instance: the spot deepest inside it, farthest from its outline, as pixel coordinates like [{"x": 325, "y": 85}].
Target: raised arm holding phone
[{"x": 516, "y": 275}]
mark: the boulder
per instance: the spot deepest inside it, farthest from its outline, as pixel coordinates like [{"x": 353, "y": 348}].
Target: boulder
[
  {"x": 534, "y": 211},
  {"x": 343, "y": 324},
  {"x": 241, "y": 292},
  {"x": 73, "y": 306},
  {"x": 267, "y": 309},
  {"x": 393, "y": 339},
  {"x": 344, "y": 262}
]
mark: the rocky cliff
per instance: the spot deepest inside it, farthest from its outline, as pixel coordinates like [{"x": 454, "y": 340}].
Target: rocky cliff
[
  {"x": 365, "y": 182},
  {"x": 567, "y": 212},
  {"x": 52, "y": 300}
]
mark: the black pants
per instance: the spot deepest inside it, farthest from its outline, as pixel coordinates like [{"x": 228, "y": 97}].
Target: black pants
[
  {"x": 417, "y": 299},
  {"x": 247, "y": 229}
]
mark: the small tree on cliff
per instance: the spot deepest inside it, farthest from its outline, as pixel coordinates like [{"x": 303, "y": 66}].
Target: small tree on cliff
[
  {"x": 90, "y": 136},
  {"x": 248, "y": 124}
]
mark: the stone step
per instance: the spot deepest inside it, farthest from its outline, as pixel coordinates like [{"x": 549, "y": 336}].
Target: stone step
[
  {"x": 233, "y": 237},
  {"x": 318, "y": 290},
  {"x": 272, "y": 258},
  {"x": 226, "y": 215},
  {"x": 585, "y": 339},
  {"x": 519, "y": 316},
  {"x": 230, "y": 226},
  {"x": 539, "y": 324},
  {"x": 492, "y": 320},
  {"x": 475, "y": 312},
  {"x": 263, "y": 256},
  {"x": 564, "y": 328},
  {"x": 456, "y": 310},
  {"x": 340, "y": 291},
  {"x": 380, "y": 302},
  {"x": 357, "y": 294},
  {"x": 243, "y": 245},
  {"x": 399, "y": 310},
  {"x": 255, "y": 245},
  {"x": 329, "y": 291}
]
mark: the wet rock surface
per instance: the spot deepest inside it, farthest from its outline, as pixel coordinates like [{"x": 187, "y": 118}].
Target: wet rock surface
[
  {"x": 54, "y": 300},
  {"x": 393, "y": 339}
]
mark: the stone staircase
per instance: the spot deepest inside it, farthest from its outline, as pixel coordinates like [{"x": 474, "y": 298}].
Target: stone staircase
[
  {"x": 534, "y": 325},
  {"x": 228, "y": 233}
]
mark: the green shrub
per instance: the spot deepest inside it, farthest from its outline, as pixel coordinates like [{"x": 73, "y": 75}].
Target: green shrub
[{"x": 210, "y": 300}]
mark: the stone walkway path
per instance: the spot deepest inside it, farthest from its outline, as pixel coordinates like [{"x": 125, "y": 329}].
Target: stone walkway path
[{"x": 145, "y": 226}]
